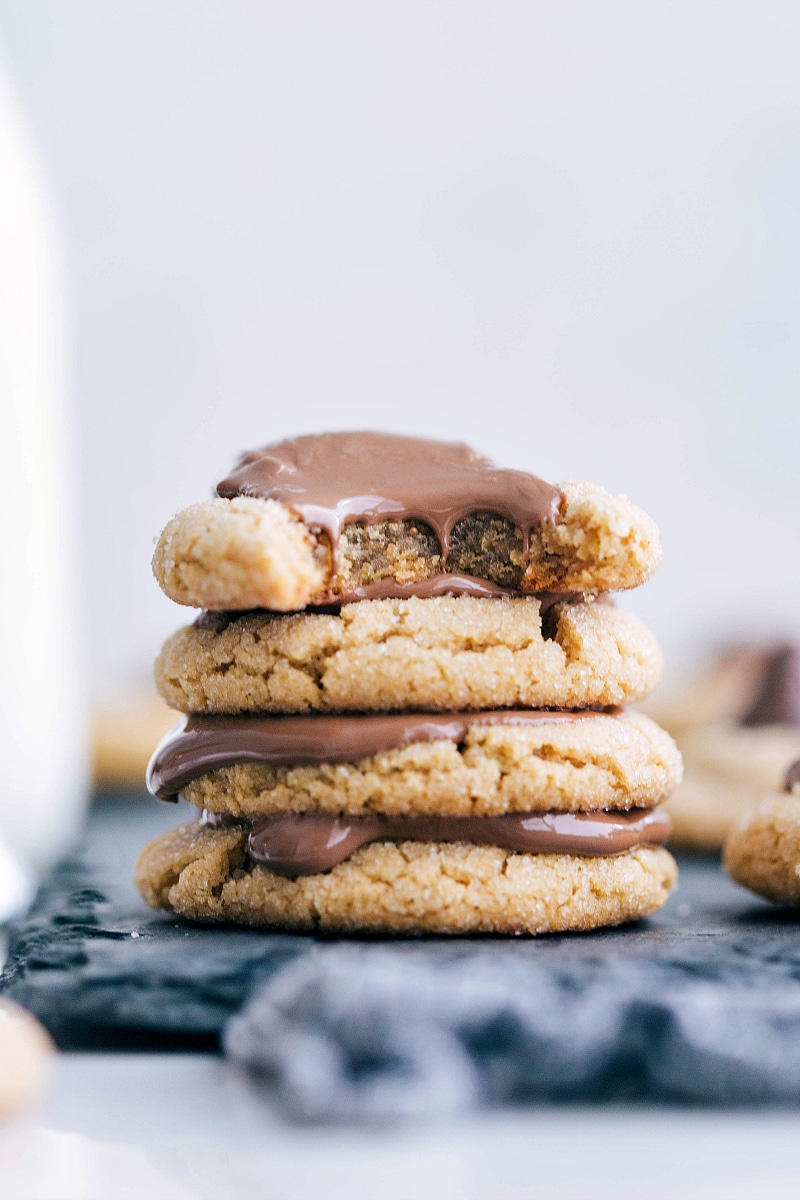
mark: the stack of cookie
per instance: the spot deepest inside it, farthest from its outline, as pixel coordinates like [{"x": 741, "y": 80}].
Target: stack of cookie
[{"x": 405, "y": 697}]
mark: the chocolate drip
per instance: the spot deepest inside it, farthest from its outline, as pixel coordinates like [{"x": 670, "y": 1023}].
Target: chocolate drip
[
  {"x": 445, "y": 584},
  {"x": 308, "y": 843},
  {"x": 448, "y": 584},
  {"x": 793, "y": 777},
  {"x": 334, "y": 478},
  {"x": 777, "y": 701},
  {"x": 199, "y": 744}
]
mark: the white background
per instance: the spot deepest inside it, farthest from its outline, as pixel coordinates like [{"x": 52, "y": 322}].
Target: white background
[
  {"x": 566, "y": 232},
  {"x": 179, "y": 1127}
]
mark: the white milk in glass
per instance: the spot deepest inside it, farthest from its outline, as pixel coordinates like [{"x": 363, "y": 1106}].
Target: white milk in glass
[{"x": 42, "y": 715}]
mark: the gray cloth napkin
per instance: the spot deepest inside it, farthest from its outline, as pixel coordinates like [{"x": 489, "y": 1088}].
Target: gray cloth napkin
[{"x": 365, "y": 1033}]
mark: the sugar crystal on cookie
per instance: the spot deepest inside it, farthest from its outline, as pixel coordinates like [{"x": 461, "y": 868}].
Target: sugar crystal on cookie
[{"x": 430, "y": 741}]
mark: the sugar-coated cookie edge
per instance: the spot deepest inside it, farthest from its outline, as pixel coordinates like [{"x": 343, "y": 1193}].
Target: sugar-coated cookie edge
[{"x": 404, "y": 888}]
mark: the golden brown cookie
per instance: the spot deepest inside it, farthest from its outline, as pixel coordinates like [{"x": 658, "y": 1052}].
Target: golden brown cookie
[
  {"x": 762, "y": 850},
  {"x": 406, "y": 887},
  {"x": 446, "y": 653},
  {"x": 247, "y": 552},
  {"x": 591, "y": 763}
]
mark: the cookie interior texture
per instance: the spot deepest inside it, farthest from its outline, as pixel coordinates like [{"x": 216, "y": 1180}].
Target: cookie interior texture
[
  {"x": 406, "y": 887},
  {"x": 297, "y": 524},
  {"x": 248, "y": 553},
  {"x": 585, "y": 765},
  {"x": 445, "y": 653}
]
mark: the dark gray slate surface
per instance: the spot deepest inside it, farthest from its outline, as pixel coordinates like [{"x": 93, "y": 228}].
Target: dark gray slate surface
[{"x": 700, "y": 1003}]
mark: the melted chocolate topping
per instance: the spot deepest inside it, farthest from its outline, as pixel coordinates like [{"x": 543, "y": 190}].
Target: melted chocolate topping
[
  {"x": 793, "y": 777},
  {"x": 199, "y": 744},
  {"x": 777, "y": 701},
  {"x": 445, "y": 584},
  {"x": 308, "y": 843},
  {"x": 330, "y": 479}
]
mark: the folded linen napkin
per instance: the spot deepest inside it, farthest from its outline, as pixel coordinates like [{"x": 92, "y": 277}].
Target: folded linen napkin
[{"x": 358, "y": 1033}]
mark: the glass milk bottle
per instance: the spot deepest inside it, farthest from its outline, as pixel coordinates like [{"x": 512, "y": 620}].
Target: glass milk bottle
[{"x": 43, "y": 752}]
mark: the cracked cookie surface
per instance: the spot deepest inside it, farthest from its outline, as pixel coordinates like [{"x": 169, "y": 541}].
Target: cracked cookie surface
[
  {"x": 405, "y": 887},
  {"x": 584, "y": 765},
  {"x": 447, "y": 653},
  {"x": 248, "y": 553}
]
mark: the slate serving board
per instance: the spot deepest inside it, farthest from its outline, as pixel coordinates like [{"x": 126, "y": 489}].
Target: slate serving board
[{"x": 700, "y": 1002}]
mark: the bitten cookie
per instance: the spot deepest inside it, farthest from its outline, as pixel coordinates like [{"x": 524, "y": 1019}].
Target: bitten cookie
[
  {"x": 435, "y": 743},
  {"x": 406, "y": 887},
  {"x": 738, "y": 730},
  {"x": 762, "y": 850},
  {"x": 351, "y": 516},
  {"x": 444, "y": 653}
]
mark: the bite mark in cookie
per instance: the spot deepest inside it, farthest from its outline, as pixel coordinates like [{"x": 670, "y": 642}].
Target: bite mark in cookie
[
  {"x": 334, "y": 479},
  {"x": 318, "y": 519},
  {"x": 403, "y": 698}
]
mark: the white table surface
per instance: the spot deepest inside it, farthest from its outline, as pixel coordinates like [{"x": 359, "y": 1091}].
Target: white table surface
[{"x": 175, "y": 1127}]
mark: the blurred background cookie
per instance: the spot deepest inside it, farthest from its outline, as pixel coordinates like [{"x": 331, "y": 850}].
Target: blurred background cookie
[
  {"x": 124, "y": 729},
  {"x": 738, "y": 728},
  {"x": 762, "y": 850}
]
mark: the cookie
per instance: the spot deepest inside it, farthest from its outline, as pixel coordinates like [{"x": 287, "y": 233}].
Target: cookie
[
  {"x": 25, "y": 1058},
  {"x": 335, "y": 517},
  {"x": 762, "y": 850},
  {"x": 568, "y": 763},
  {"x": 405, "y": 887},
  {"x": 742, "y": 749},
  {"x": 444, "y": 653},
  {"x": 403, "y": 698}
]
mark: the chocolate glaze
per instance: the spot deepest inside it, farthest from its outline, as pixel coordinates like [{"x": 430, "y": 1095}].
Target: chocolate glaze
[
  {"x": 777, "y": 701},
  {"x": 330, "y": 479},
  {"x": 448, "y": 584},
  {"x": 199, "y": 744},
  {"x": 445, "y": 584},
  {"x": 793, "y": 777},
  {"x": 308, "y": 843}
]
